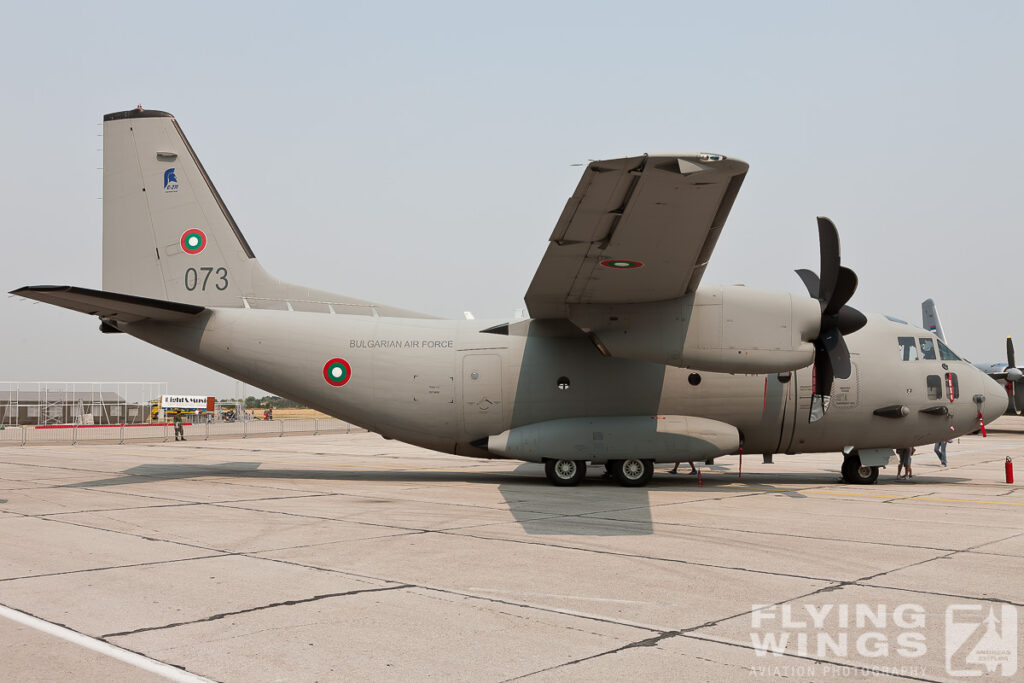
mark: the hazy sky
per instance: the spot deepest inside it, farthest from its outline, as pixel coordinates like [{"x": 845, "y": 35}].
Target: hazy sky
[{"x": 419, "y": 154}]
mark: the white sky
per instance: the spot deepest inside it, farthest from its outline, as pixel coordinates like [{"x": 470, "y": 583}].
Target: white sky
[{"x": 419, "y": 154}]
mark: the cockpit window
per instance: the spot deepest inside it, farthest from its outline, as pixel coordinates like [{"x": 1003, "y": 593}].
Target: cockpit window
[
  {"x": 927, "y": 348},
  {"x": 908, "y": 348},
  {"x": 945, "y": 353}
]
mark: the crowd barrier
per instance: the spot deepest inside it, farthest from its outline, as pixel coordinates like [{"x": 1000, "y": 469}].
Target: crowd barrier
[{"x": 202, "y": 431}]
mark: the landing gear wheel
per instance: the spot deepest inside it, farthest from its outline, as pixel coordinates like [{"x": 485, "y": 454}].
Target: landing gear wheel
[
  {"x": 855, "y": 473},
  {"x": 632, "y": 472},
  {"x": 565, "y": 472}
]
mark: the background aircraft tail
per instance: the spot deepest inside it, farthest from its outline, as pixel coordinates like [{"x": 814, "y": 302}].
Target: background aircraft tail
[
  {"x": 930, "y": 319},
  {"x": 167, "y": 234}
]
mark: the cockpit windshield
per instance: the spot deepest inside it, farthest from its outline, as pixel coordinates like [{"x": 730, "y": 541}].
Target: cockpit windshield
[
  {"x": 910, "y": 351},
  {"x": 945, "y": 353}
]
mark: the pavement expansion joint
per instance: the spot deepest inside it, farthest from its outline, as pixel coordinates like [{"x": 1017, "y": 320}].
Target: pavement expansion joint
[
  {"x": 674, "y": 560},
  {"x": 272, "y": 605}
]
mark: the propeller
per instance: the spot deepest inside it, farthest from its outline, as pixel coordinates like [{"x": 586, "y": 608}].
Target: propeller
[
  {"x": 832, "y": 288},
  {"x": 1013, "y": 375}
]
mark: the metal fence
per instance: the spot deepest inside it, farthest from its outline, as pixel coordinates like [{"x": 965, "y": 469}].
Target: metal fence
[{"x": 125, "y": 433}]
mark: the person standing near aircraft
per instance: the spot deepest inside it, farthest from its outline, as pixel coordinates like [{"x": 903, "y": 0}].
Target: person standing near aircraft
[
  {"x": 904, "y": 466},
  {"x": 179, "y": 429},
  {"x": 675, "y": 469},
  {"x": 940, "y": 450}
]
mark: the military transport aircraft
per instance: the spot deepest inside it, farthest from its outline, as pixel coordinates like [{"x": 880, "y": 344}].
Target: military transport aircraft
[
  {"x": 624, "y": 361},
  {"x": 1006, "y": 373}
]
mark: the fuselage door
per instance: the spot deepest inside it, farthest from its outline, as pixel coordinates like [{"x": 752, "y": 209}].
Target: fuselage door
[{"x": 481, "y": 395}]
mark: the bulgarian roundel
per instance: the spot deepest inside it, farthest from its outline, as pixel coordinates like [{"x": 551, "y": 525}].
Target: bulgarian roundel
[
  {"x": 337, "y": 372},
  {"x": 621, "y": 264},
  {"x": 193, "y": 241}
]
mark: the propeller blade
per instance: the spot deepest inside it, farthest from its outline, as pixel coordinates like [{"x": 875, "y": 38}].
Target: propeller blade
[
  {"x": 828, "y": 244},
  {"x": 823, "y": 376},
  {"x": 1011, "y": 389},
  {"x": 846, "y": 285},
  {"x": 810, "y": 280},
  {"x": 1010, "y": 360},
  {"x": 1018, "y": 399},
  {"x": 850, "y": 320},
  {"x": 838, "y": 353}
]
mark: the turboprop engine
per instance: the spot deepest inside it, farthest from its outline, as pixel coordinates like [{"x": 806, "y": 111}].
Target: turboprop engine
[
  {"x": 716, "y": 329},
  {"x": 741, "y": 330}
]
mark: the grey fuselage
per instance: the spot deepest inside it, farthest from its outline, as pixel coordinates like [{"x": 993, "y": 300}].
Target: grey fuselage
[{"x": 444, "y": 384}]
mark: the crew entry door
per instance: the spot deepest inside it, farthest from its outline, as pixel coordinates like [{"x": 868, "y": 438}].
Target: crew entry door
[{"x": 481, "y": 395}]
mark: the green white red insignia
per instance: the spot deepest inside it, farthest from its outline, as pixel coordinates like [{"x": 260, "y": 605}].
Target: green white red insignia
[
  {"x": 621, "y": 264},
  {"x": 193, "y": 241},
  {"x": 337, "y": 372}
]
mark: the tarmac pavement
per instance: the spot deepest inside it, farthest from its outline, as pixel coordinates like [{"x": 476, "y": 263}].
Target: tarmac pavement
[{"x": 343, "y": 557}]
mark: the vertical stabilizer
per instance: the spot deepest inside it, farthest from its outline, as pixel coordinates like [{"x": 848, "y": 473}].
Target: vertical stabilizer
[
  {"x": 930, "y": 319},
  {"x": 167, "y": 233}
]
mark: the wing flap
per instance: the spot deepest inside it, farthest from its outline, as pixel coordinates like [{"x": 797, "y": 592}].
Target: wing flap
[{"x": 109, "y": 305}]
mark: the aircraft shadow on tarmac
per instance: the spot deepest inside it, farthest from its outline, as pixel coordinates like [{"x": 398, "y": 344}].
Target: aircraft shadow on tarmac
[{"x": 539, "y": 508}]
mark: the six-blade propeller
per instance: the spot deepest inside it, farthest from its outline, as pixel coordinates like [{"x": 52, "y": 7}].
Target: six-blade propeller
[{"x": 833, "y": 288}]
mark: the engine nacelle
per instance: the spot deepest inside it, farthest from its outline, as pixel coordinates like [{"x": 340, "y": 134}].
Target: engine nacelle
[
  {"x": 718, "y": 329},
  {"x": 662, "y": 438}
]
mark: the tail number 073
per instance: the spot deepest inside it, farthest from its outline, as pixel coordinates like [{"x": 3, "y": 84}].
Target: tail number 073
[{"x": 200, "y": 278}]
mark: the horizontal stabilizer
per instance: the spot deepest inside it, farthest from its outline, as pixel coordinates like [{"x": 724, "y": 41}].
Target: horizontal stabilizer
[{"x": 109, "y": 305}]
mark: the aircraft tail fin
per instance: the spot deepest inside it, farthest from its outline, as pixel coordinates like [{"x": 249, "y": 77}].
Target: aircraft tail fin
[
  {"x": 930, "y": 319},
  {"x": 168, "y": 235}
]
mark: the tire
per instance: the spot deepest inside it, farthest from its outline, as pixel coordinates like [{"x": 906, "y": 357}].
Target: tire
[
  {"x": 632, "y": 472},
  {"x": 565, "y": 472},
  {"x": 855, "y": 473}
]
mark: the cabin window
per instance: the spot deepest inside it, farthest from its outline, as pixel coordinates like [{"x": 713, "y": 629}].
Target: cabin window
[
  {"x": 934, "y": 387},
  {"x": 946, "y": 354},
  {"x": 908, "y": 348},
  {"x": 562, "y": 384},
  {"x": 694, "y": 378},
  {"x": 927, "y": 348}
]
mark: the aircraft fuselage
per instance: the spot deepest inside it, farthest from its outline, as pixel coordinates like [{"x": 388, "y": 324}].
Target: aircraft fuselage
[{"x": 444, "y": 385}]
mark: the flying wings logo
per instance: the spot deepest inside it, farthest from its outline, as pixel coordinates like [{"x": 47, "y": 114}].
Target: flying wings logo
[
  {"x": 337, "y": 372},
  {"x": 170, "y": 181},
  {"x": 979, "y": 644}
]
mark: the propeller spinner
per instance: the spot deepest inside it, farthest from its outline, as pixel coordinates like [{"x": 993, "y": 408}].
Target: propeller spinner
[{"x": 832, "y": 289}]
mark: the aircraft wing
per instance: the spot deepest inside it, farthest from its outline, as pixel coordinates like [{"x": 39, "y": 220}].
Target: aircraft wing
[
  {"x": 637, "y": 229},
  {"x": 109, "y": 305}
]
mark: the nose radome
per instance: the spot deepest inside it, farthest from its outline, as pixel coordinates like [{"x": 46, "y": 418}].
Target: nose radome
[{"x": 996, "y": 398}]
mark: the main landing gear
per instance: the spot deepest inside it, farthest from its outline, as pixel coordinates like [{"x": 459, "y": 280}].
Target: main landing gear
[
  {"x": 855, "y": 473},
  {"x": 632, "y": 472},
  {"x": 565, "y": 472}
]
